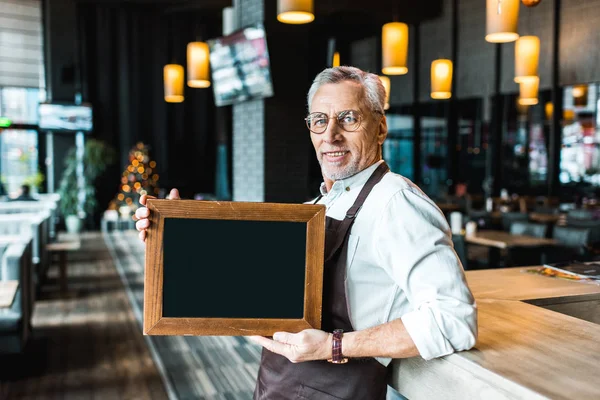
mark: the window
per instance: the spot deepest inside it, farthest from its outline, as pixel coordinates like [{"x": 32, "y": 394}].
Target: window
[
  {"x": 20, "y": 105},
  {"x": 399, "y": 145},
  {"x": 580, "y": 153},
  {"x": 19, "y": 159}
]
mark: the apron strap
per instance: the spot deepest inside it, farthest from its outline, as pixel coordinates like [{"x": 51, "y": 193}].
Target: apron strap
[{"x": 344, "y": 227}]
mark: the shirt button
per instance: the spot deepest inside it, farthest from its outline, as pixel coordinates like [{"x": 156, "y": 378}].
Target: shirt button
[{"x": 347, "y": 188}]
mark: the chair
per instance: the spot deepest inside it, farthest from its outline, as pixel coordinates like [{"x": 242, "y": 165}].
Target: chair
[
  {"x": 592, "y": 225},
  {"x": 482, "y": 218},
  {"x": 579, "y": 214},
  {"x": 529, "y": 229},
  {"x": 573, "y": 245},
  {"x": 508, "y": 218},
  {"x": 460, "y": 247},
  {"x": 15, "y": 322}
]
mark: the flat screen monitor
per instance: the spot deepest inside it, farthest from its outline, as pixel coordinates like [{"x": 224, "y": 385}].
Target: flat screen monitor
[
  {"x": 239, "y": 65},
  {"x": 65, "y": 117}
]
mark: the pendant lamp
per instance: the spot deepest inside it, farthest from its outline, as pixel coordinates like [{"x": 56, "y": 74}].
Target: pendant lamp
[
  {"x": 527, "y": 57},
  {"x": 295, "y": 11},
  {"x": 197, "y": 65},
  {"x": 528, "y": 91},
  {"x": 502, "y": 20},
  {"x": 173, "y": 81},
  {"x": 387, "y": 85},
  {"x": 394, "y": 42},
  {"x": 580, "y": 95},
  {"x": 441, "y": 79},
  {"x": 336, "y": 59}
]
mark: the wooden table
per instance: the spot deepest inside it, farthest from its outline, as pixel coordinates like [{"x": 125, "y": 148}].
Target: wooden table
[
  {"x": 62, "y": 247},
  {"x": 448, "y": 207},
  {"x": 505, "y": 240},
  {"x": 8, "y": 289},
  {"x": 545, "y": 218},
  {"x": 535, "y": 341}
]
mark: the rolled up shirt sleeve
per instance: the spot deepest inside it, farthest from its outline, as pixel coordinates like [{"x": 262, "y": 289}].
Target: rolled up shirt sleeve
[{"x": 414, "y": 245}]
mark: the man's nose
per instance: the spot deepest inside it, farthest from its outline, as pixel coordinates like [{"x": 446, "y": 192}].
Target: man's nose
[{"x": 333, "y": 131}]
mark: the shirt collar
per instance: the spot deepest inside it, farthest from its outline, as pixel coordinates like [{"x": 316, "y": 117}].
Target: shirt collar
[{"x": 352, "y": 181}]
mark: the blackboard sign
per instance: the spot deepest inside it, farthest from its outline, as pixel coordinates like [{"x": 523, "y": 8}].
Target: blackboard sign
[{"x": 233, "y": 268}]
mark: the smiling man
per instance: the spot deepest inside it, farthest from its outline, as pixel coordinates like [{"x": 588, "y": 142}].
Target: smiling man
[{"x": 393, "y": 286}]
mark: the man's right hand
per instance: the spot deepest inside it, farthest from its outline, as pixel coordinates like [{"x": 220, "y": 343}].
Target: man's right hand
[{"x": 142, "y": 214}]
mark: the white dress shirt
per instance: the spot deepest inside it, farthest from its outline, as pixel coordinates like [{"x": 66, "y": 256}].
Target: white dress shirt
[{"x": 401, "y": 264}]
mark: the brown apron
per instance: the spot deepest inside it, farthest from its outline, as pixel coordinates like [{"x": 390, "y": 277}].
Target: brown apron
[{"x": 359, "y": 379}]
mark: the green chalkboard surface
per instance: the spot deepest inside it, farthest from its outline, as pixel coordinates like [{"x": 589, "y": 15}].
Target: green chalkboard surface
[{"x": 233, "y": 269}]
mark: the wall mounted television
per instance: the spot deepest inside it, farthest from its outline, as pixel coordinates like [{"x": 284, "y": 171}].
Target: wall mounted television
[
  {"x": 65, "y": 117},
  {"x": 239, "y": 65}
]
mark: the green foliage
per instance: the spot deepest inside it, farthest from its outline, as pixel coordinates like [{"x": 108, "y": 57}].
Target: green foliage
[
  {"x": 35, "y": 180},
  {"x": 97, "y": 156}
]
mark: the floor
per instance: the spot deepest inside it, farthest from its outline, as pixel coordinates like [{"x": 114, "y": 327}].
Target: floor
[
  {"x": 201, "y": 367},
  {"x": 87, "y": 343}
]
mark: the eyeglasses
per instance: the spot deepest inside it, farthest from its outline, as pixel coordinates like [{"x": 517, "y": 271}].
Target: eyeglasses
[{"x": 348, "y": 120}]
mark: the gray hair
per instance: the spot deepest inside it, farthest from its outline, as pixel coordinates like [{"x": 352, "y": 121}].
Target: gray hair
[{"x": 373, "y": 88}]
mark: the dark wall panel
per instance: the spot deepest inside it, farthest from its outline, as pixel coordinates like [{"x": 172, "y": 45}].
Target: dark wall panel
[
  {"x": 402, "y": 85},
  {"x": 60, "y": 30},
  {"x": 363, "y": 54},
  {"x": 475, "y": 76},
  {"x": 537, "y": 21},
  {"x": 579, "y": 39},
  {"x": 436, "y": 42}
]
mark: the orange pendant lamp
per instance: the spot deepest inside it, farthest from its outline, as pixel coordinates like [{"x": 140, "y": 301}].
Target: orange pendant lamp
[
  {"x": 394, "y": 43},
  {"x": 441, "y": 79},
  {"x": 502, "y": 17},
  {"x": 173, "y": 82},
  {"x": 198, "y": 65},
  {"x": 295, "y": 11}
]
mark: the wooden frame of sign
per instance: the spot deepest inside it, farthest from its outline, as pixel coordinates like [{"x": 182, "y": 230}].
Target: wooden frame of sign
[{"x": 233, "y": 268}]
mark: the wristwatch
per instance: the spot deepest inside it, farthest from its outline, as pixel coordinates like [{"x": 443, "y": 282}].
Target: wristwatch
[{"x": 336, "y": 348}]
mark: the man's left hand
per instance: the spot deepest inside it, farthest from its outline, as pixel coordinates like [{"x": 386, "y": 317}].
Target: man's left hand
[{"x": 310, "y": 344}]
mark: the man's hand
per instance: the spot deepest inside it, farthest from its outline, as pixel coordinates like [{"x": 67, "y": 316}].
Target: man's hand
[
  {"x": 310, "y": 344},
  {"x": 142, "y": 214}
]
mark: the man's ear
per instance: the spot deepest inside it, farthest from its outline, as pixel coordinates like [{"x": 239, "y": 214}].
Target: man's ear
[{"x": 383, "y": 130}]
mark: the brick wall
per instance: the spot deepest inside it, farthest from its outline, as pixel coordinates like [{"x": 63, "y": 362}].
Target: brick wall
[
  {"x": 475, "y": 76},
  {"x": 579, "y": 38},
  {"x": 249, "y": 128},
  {"x": 248, "y": 151},
  {"x": 271, "y": 145}
]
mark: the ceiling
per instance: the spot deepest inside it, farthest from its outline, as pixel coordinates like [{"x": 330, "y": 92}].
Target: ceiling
[{"x": 352, "y": 11}]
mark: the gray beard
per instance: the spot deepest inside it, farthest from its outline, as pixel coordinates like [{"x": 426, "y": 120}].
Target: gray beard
[{"x": 346, "y": 172}]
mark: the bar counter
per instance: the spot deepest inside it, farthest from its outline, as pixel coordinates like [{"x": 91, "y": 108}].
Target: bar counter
[{"x": 539, "y": 338}]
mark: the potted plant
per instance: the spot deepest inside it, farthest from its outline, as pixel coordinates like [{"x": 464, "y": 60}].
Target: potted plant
[{"x": 76, "y": 204}]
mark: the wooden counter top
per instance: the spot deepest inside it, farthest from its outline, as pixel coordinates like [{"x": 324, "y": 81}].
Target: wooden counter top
[
  {"x": 523, "y": 351},
  {"x": 515, "y": 284}
]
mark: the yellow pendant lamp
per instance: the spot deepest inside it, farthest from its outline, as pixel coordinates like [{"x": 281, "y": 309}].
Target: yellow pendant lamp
[
  {"x": 502, "y": 20},
  {"x": 197, "y": 65},
  {"x": 295, "y": 11},
  {"x": 441, "y": 79},
  {"x": 580, "y": 95},
  {"x": 527, "y": 57},
  {"x": 173, "y": 80},
  {"x": 394, "y": 43},
  {"x": 528, "y": 91},
  {"x": 336, "y": 59},
  {"x": 387, "y": 85}
]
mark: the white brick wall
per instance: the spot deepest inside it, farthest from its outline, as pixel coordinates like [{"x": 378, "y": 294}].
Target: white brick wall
[{"x": 249, "y": 129}]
